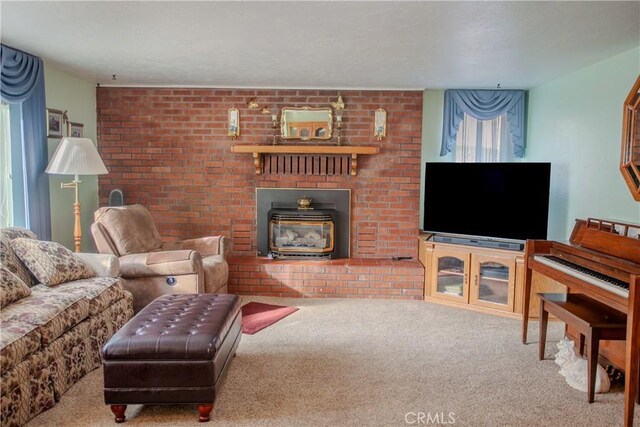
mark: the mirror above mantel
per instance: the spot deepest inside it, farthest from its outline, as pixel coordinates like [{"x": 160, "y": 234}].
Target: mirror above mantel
[
  {"x": 306, "y": 123},
  {"x": 630, "y": 156}
]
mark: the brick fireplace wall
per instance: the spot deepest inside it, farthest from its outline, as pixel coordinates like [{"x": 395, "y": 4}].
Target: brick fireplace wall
[{"x": 168, "y": 149}]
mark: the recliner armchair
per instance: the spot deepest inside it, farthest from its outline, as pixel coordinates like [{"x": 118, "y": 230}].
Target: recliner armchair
[{"x": 150, "y": 268}]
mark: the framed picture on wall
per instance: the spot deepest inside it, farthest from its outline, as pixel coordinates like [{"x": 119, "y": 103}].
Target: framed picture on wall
[
  {"x": 54, "y": 123},
  {"x": 75, "y": 130}
]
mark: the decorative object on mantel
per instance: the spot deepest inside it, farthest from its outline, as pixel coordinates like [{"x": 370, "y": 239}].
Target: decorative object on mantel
[
  {"x": 259, "y": 150},
  {"x": 306, "y": 123},
  {"x": 274, "y": 125},
  {"x": 338, "y": 106},
  {"x": 338, "y": 127},
  {"x": 380, "y": 124},
  {"x": 75, "y": 130},
  {"x": 76, "y": 156},
  {"x": 233, "y": 123},
  {"x": 55, "y": 121}
]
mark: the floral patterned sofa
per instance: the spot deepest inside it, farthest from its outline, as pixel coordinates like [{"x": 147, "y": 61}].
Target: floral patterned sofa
[{"x": 58, "y": 309}]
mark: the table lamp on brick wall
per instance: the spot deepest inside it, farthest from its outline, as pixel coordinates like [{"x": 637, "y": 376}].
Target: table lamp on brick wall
[{"x": 76, "y": 156}]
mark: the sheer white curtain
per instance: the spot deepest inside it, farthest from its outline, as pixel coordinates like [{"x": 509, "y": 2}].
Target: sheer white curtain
[
  {"x": 484, "y": 140},
  {"x": 6, "y": 198}
]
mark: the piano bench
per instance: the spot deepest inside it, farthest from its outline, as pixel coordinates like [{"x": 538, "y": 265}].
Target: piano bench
[{"x": 594, "y": 321}]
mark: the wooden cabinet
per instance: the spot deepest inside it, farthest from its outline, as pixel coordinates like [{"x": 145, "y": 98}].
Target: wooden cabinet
[
  {"x": 449, "y": 275},
  {"x": 493, "y": 281},
  {"x": 477, "y": 278}
]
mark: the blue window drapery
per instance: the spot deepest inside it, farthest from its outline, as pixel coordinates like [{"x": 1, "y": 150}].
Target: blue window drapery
[
  {"x": 22, "y": 82},
  {"x": 484, "y": 105}
]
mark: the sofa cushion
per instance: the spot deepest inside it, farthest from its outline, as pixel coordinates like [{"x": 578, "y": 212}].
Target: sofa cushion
[
  {"x": 12, "y": 288},
  {"x": 10, "y": 260},
  {"x": 53, "y": 313},
  {"x": 131, "y": 228},
  {"x": 17, "y": 341},
  {"x": 50, "y": 262},
  {"x": 101, "y": 292},
  {"x": 16, "y": 232}
]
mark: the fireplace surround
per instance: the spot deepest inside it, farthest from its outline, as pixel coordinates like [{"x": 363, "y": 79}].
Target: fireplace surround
[{"x": 284, "y": 230}]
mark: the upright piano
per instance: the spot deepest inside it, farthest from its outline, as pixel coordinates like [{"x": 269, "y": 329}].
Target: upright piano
[{"x": 601, "y": 260}]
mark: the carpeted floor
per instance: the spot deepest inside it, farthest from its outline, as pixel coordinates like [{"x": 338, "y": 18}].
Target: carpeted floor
[{"x": 339, "y": 362}]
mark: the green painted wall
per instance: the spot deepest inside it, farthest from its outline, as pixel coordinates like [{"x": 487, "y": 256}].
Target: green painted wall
[
  {"x": 575, "y": 122},
  {"x": 432, "y": 111},
  {"x": 78, "y": 98}
]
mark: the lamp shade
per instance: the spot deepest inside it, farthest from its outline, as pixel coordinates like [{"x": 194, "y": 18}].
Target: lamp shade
[{"x": 76, "y": 156}]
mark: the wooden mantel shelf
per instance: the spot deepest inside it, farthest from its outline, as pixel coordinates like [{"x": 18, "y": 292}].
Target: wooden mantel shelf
[{"x": 259, "y": 150}]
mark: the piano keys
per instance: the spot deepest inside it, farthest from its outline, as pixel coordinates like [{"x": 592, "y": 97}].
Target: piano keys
[
  {"x": 601, "y": 260},
  {"x": 609, "y": 283}
]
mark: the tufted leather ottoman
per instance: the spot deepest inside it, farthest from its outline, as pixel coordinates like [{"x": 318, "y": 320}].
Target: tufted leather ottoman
[{"x": 175, "y": 350}]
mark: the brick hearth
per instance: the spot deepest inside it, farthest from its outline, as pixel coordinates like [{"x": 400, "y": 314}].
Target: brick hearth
[
  {"x": 353, "y": 278},
  {"x": 167, "y": 148}
]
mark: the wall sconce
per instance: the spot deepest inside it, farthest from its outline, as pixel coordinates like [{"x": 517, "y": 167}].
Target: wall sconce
[
  {"x": 234, "y": 123},
  {"x": 338, "y": 106},
  {"x": 380, "y": 124}
]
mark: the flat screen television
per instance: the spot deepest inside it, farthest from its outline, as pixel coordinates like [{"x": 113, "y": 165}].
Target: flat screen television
[{"x": 491, "y": 200}]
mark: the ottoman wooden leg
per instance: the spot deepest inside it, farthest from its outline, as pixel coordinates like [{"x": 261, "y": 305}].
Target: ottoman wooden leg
[
  {"x": 204, "y": 411},
  {"x": 118, "y": 411}
]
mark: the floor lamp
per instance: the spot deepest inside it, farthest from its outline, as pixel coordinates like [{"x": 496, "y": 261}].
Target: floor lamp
[{"x": 76, "y": 156}]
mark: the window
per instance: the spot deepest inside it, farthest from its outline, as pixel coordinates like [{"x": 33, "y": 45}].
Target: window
[
  {"x": 483, "y": 140},
  {"x": 12, "y": 202},
  {"x": 495, "y": 133},
  {"x": 6, "y": 194},
  {"x": 24, "y": 137}
]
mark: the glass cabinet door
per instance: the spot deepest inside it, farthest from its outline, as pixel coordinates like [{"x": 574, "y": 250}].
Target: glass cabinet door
[
  {"x": 450, "y": 275},
  {"x": 492, "y": 281}
]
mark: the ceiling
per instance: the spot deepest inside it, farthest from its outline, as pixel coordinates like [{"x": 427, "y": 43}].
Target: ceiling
[{"x": 337, "y": 45}]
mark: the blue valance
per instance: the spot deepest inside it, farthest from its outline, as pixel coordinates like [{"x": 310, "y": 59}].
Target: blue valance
[
  {"x": 484, "y": 105},
  {"x": 21, "y": 74},
  {"x": 22, "y": 82}
]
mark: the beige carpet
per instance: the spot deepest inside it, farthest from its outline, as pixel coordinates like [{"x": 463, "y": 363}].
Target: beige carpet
[{"x": 339, "y": 362}]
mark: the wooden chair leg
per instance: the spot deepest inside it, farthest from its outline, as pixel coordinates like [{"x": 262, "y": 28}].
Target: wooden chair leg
[
  {"x": 592, "y": 363},
  {"x": 204, "y": 412},
  {"x": 118, "y": 411},
  {"x": 544, "y": 318}
]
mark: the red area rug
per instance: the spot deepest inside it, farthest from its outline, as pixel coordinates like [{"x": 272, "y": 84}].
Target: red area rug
[{"x": 257, "y": 316}]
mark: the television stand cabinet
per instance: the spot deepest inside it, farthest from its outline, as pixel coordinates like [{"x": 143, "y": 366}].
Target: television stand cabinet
[{"x": 472, "y": 277}]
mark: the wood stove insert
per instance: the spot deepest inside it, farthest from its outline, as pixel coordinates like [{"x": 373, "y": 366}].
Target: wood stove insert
[{"x": 302, "y": 233}]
